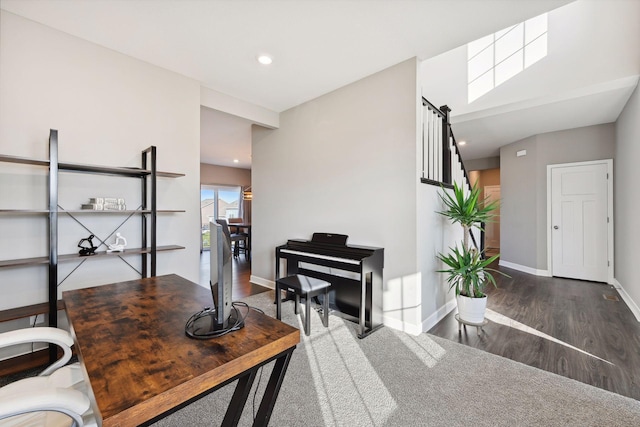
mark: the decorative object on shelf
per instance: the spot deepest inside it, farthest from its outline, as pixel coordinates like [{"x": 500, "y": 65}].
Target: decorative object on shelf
[
  {"x": 105, "y": 204},
  {"x": 87, "y": 250},
  {"x": 468, "y": 272},
  {"x": 119, "y": 244}
]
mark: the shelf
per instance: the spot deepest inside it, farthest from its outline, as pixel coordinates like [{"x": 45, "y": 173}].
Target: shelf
[
  {"x": 84, "y": 211},
  {"x": 132, "y": 251},
  {"x": 109, "y": 211},
  {"x": 112, "y": 170},
  {"x": 27, "y": 310},
  {"x": 23, "y": 160},
  {"x": 71, "y": 257},
  {"x": 77, "y": 167},
  {"x": 148, "y": 261},
  {"x": 23, "y": 211},
  {"x": 24, "y": 261}
]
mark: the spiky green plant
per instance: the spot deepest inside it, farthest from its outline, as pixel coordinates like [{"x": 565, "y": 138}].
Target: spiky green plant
[
  {"x": 469, "y": 211},
  {"x": 468, "y": 273}
]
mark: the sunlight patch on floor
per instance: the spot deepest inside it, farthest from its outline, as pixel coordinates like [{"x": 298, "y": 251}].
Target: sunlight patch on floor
[
  {"x": 425, "y": 349},
  {"x": 506, "y": 321},
  {"x": 348, "y": 387}
]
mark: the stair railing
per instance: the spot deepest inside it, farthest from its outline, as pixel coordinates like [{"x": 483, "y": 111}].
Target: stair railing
[{"x": 442, "y": 164}]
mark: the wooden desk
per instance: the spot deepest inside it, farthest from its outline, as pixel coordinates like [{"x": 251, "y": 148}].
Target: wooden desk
[{"x": 140, "y": 364}]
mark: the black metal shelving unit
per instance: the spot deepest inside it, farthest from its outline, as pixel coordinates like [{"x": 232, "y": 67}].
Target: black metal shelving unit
[{"x": 147, "y": 174}]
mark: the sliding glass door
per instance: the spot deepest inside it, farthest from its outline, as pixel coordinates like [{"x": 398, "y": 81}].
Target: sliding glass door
[{"x": 218, "y": 201}]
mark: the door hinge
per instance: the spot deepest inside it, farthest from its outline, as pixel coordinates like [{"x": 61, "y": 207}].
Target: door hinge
[
  {"x": 607, "y": 175},
  {"x": 607, "y": 220},
  {"x": 608, "y": 264}
]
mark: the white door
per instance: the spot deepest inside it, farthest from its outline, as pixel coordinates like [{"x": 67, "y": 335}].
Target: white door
[
  {"x": 579, "y": 234},
  {"x": 492, "y": 229}
]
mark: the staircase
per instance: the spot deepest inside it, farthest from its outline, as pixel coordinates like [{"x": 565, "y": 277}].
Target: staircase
[{"x": 442, "y": 164}]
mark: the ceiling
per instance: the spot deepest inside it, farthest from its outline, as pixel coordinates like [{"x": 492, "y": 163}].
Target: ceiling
[
  {"x": 487, "y": 131},
  {"x": 589, "y": 73},
  {"x": 224, "y": 138},
  {"x": 317, "y": 45}
]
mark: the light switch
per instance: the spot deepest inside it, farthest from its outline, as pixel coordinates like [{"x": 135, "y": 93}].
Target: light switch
[{"x": 521, "y": 153}]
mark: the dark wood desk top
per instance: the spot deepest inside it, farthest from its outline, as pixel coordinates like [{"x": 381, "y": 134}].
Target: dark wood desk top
[{"x": 131, "y": 342}]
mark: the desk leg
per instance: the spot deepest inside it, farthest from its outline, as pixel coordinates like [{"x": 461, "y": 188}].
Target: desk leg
[
  {"x": 273, "y": 388},
  {"x": 234, "y": 411}
]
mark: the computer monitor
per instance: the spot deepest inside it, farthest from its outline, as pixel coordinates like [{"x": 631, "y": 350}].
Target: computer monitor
[
  {"x": 222, "y": 317},
  {"x": 220, "y": 276}
]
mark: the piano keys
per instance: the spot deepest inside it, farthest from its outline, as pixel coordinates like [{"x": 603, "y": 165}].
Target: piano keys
[{"x": 355, "y": 274}]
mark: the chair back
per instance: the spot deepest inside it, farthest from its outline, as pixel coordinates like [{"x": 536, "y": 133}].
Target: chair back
[
  {"x": 57, "y": 397},
  {"x": 235, "y": 220},
  {"x": 225, "y": 228}
]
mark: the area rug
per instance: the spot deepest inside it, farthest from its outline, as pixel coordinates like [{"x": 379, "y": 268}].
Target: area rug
[{"x": 391, "y": 378}]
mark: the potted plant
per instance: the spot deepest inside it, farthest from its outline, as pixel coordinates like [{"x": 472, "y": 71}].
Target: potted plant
[{"x": 468, "y": 272}]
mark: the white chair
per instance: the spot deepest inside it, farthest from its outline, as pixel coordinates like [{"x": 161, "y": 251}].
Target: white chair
[{"x": 56, "y": 397}]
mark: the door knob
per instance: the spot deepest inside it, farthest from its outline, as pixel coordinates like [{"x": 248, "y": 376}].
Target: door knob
[{"x": 555, "y": 227}]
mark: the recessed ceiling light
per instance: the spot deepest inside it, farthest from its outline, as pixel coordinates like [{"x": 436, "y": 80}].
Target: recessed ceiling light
[
  {"x": 265, "y": 59},
  {"x": 462, "y": 142},
  {"x": 236, "y": 161}
]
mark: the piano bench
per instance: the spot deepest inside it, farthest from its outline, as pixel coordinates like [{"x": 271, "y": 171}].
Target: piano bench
[{"x": 307, "y": 288}]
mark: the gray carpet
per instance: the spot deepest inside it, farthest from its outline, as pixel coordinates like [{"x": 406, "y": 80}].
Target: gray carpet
[{"x": 395, "y": 379}]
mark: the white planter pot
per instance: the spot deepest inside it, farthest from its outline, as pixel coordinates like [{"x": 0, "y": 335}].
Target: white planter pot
[{"x": 471, "y": 309}]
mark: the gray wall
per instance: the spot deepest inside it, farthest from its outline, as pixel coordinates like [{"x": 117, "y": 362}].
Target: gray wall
[
  {"x": 224, "y": 175},
  {"x": 524, "y": 186},
  {"x": 482, "y": 164},
  {"x": 626, "y": 197},
  {"x": 345, "y": 162}
]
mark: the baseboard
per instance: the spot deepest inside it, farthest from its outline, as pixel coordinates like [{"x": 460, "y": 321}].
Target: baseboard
[
  {"x": 627, "y": 299},
  {"x": 399, "y": 325},
  {"x": 387, "y": 321},
  {"x": 525, "y": 269},
  {"x": 440, "y": 314},
  {"x": 262, "y": 282}
]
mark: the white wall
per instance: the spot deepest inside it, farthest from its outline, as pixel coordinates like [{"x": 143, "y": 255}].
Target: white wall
[
  {"x": 435, "y": 235},
  {"x": 626, "y": 201},
  {"x": 108, "y": 107},
  {"x": 222, "y": 102},
  {"x": 345, "y": 163}
]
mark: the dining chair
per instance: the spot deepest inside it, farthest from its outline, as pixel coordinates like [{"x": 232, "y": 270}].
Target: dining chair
[{"x": 234, "y": 238}]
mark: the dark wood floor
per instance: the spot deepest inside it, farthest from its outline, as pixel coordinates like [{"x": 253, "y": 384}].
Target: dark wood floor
[
  {"x": 241, "y": 274},
  {"x": 572, "y": 311}
]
